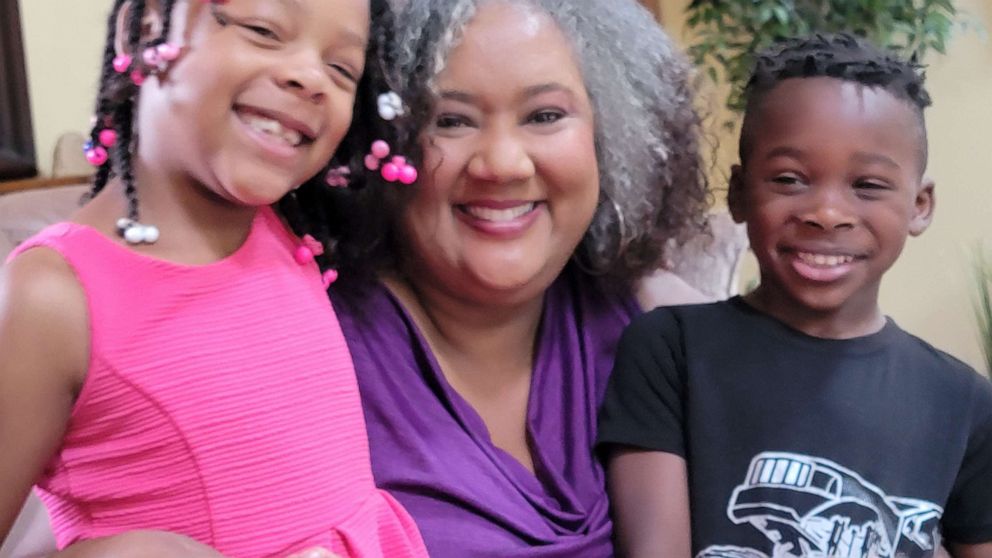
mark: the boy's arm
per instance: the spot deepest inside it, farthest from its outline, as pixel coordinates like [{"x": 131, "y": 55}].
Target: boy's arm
[
  {"x": 641, "y": 437},
  {"x": 649, "y": 492},
  {"x": 43, "y": 353}
]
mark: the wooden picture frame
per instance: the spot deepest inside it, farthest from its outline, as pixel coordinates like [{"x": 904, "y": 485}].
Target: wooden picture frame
[{"x": 17, "y": 152}]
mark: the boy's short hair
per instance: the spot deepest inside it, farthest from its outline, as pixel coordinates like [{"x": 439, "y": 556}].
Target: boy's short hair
[{"x": 842, "y": 56}]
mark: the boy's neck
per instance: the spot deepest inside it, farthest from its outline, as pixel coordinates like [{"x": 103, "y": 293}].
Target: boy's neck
[{"x": 856, "y": 319}]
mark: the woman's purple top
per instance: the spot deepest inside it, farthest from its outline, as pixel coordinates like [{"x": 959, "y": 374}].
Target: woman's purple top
[{"x": 432, "y": 451}]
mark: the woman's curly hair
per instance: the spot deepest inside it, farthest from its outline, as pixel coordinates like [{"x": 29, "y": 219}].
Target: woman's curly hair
[{"x": 653, "y": 187}]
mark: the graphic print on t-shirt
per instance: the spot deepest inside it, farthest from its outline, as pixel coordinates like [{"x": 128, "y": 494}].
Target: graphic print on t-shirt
[{"x": 813, "y": 507}]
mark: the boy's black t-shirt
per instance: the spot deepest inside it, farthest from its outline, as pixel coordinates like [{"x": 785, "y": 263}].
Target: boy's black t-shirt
[{"x": 801, "y": 446}]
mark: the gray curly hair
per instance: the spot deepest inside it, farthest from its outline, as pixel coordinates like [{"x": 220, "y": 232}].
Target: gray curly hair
[{"x": 653, "y": 188}]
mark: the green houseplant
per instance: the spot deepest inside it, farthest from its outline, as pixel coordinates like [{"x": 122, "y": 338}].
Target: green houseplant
[{"x": 726, "y": 33}]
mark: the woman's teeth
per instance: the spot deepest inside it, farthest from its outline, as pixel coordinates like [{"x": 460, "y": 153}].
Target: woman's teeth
[
  {"x": 273, "y": 128},
  {"x": 498, "y": 215},
  {"x": 823, "y": 260}
]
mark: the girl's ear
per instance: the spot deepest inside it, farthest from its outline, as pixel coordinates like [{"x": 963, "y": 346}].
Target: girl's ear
[
  {"x": 735, "y": 194},
  {"x": 923, "y": 206},
  {"x": 152, "y": 23}
]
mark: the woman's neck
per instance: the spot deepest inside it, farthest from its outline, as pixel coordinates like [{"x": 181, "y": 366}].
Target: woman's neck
[{"x": 471, "y": 338}]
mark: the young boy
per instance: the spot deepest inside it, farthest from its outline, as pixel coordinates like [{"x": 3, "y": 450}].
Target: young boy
[{"x": 798, "y": 420}]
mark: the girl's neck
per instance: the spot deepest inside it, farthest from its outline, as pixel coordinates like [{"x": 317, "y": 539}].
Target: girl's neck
[{"x": 196, "y": 227}]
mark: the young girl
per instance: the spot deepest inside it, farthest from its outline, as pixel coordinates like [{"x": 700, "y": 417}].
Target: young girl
[{"x": 174, "y": 364}]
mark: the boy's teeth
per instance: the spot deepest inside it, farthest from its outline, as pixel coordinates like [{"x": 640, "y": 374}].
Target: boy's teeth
[
  {"x": 499, "y": 215},
  {"x": 823, "y": 260},
  {"x": 273, "y": 128}
]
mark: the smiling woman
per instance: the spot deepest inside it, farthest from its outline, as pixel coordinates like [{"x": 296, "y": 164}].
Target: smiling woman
[{"x": 558, "y": 152}]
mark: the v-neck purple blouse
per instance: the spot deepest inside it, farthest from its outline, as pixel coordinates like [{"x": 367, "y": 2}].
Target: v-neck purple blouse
[{"x": 432, "y": 451}]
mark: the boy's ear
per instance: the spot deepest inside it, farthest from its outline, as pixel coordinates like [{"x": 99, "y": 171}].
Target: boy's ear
[
  {"x": 923, "y": 207},
  {"x": 735, "y": 194},
  {"x": 152, "y": 24}
]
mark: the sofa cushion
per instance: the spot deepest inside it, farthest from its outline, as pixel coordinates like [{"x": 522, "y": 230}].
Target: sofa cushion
[{"x": 24, "y": 213}]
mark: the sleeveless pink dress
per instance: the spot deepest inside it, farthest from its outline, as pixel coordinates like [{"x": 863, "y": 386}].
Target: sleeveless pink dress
[{"x": 220, "y": 403}]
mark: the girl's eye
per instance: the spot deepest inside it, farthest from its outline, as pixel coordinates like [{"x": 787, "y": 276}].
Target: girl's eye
[
  {"x": 547, "y": 117},
  {"x": 263, "y": 32},
  {"x": 344, "y": 72}
]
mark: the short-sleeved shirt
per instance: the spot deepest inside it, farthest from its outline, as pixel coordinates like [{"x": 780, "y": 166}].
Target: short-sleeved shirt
[
  {"x": 433, "y": 452},
  {"x": 802, "y": 446}
]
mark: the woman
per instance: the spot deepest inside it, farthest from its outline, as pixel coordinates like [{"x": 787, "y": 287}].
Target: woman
[
  {"x": 558, "y": 151},
  {"x": 557, "y": 147}
]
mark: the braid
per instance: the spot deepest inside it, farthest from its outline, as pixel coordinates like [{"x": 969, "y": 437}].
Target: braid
[
  {"x": 317, "y": 209},
  {"x": 117, "y": 97}
]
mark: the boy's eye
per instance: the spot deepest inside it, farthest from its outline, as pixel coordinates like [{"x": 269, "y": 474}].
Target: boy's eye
[
  {"x": 786, "y": 179},
  {"x": 870, "y": 185}
]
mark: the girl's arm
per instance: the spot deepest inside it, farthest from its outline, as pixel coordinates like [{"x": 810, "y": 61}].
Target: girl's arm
[
  {"x": 44, "y": 346},
  {"x": 649, "y": 495}
]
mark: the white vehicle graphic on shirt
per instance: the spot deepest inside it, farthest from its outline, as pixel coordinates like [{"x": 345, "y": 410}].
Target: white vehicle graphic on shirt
[{"x": 813, "y": 507}]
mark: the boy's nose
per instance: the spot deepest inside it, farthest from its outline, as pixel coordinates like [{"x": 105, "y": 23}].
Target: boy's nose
[{"x": 828, "y": 211}]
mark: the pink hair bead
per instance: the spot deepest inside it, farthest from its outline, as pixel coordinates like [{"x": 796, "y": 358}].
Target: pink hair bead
[
  {"x": 107, "y": 137},
  {"x": 150, "y": 56},
  {"x": 137, "y": 77},
  {"x": 408, "y": 174},
  {"x": 167, "y": 52},
  {"x": 399, "y": 160},
  {"x": 303, "y": 255},
  {"x": 96, "y": 156},
  {"x": 371, "y": 162},
  {"x": 380, "y": 149},
  {"x": 390, "y": 172},
  {"x": 121, "y": 63},
  {"x": 329, "y": 277}
]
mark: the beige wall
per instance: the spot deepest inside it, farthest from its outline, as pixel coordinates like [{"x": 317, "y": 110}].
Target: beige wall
[
  {"x": 929, "y": 291},
  {"x": 63, "y": 43}
]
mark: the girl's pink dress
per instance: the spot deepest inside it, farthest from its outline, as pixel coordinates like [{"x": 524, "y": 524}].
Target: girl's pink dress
[{"x": 220, "y": 403}]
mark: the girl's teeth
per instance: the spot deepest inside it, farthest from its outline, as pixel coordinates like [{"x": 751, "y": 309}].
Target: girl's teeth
[
  {"x": 499, "y": 215},
  {"x": 273, "y": 128},
  {"x": 822, "y": 260}
]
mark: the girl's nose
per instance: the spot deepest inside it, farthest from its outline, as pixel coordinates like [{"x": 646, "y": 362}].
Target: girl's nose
[{"x": 304, "y": 75}]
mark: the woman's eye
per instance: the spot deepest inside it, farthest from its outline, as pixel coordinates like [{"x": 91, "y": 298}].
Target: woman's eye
[
  {"x": 546, "y": 117},
  {"x": 450, "y": 121}
]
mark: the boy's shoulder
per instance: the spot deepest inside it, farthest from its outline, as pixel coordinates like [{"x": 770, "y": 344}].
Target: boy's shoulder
[
  {"x": 712, "y": 317},
  {"x": 946, "y": 367}
]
